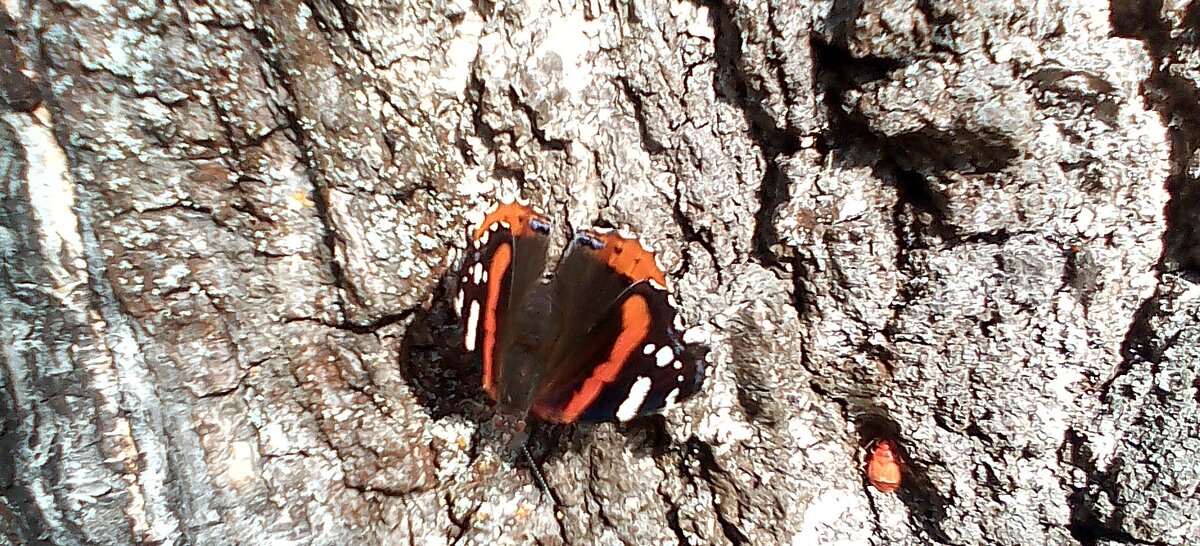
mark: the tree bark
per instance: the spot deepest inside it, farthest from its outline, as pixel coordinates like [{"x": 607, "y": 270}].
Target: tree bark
[{"x": 970, "y": 227}]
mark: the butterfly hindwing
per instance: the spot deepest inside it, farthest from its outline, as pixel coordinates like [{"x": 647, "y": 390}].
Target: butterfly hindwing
[
  {"x": 504, "y": 258},
  {"x": 618, "y": 352}
]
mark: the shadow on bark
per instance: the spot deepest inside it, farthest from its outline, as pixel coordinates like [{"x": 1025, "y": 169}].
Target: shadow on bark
[{"x": 1177, "y": 100}]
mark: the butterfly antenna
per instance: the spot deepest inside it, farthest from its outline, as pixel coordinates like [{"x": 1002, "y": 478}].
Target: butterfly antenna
[{"x": 537, "y": 474}]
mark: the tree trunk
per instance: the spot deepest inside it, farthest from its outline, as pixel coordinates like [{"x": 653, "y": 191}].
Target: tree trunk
[{"x": 969, "y": 227}]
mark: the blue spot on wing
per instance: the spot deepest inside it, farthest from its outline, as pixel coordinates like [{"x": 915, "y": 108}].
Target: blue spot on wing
[
  {"x": 589, "y": 241},
  {"x": 539, "y": 226}
]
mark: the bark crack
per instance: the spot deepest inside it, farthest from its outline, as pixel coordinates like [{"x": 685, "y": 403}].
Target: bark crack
[
  {"x": 320, "y": 198},
  {"x": 775, "y": 143},
  {"x": 1177, "y": 101}
]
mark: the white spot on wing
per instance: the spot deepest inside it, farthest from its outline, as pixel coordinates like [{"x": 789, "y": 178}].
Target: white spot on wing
[
  {"x": 648, "y": 348},
  {"x": 458, "y": 301},
  {"x": 637, "y": 395},
  {"x": 477, "y": 272},
  {"x": 484, "y": 276},
  {"x": 671, "y": 396},
  {"x": 678, "y": 365},
  {"x": 664, "y": 356},
  {"x": 483, "y": 239},
  {"x": 472, "y": 323}
]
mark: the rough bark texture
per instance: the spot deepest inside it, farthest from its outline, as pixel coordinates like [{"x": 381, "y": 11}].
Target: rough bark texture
[{"x": 970, "y": 226}]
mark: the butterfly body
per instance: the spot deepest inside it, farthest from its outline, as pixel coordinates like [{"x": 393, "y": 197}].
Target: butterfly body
[
  {"x": 521, "y": 362},
  {"x": 600, "y": 341}
]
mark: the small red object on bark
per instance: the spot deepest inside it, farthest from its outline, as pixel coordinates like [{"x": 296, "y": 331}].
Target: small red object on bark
[{"x": 884, "y": 465}]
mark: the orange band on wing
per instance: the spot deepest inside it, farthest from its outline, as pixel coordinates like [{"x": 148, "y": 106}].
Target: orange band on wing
[
  {"x": 629, "y": 258},
  {"x": 516, "y": 215},
  {"x": 635, "y": 324},
  {"x": 497, "y": 272}
]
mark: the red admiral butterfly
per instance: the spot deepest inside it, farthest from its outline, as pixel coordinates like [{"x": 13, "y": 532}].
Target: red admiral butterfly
[{"x": 599, "y": 342}]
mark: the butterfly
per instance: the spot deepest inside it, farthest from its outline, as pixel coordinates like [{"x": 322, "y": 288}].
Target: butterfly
[{"x": 600, "y": 341}]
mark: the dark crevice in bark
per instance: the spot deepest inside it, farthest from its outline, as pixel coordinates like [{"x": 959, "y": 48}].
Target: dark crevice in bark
[
  {"x": 995, "y": 238},
  {"x": 958, "y": 149},
  {"x": 802, "y": 299},
  {"x": 461, "y": 523},
  {"x": 539, "y": 134},
  {"x": 701, "y": 236},
  {"x": 361, "y": 328},
  {"x": 596, "y": 497},
  {"x": 711, "y": 473},
  {"x": 17, "y": 91},
  {"x": 1177, "y": 100},
  {"x": 673, "y": 519},
  {"x": 329, "y": 235},
  {"x": 941, "y": 21},
  {"x": 312, "y": 172},
  {"x": 927, "y": 508},
  {"x": 776, "y": 143},
  {"x": 473, "y": 102},
  {"x": 914, "y": 190},
  {"x": 876, "y": 528},
  {"x": 649, "y": 143},
  {"x": 1088, "y": 526},
  {"x": 1139, "y": 345}
]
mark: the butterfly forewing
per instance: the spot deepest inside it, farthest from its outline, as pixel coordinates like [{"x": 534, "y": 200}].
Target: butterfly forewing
[
  {"x": 504, "y": 258},
  {"x": 617, "y": 353}
]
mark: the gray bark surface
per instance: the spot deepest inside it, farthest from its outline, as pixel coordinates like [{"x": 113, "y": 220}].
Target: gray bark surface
[{"x": 970, "y": 226}]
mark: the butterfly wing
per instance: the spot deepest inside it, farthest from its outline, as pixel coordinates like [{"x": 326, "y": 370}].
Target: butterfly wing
[
  {"x": 505, "y": 256},
  {"x": 618, "y": 352}
]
